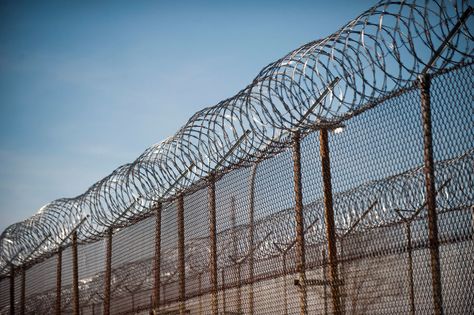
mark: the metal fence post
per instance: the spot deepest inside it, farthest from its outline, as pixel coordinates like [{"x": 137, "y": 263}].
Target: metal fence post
[
  {"x": 12, "y": 289},
  {"x": 181, "y": 266},
  {"x": 325, "y": 273},
  {"x": 157, "y": 260},
  {"x": 235, "y": 253},
  {"x": 410, "y": 268},
  {"x": 23, "y": 290},
  {"x": 108, "y": 271},
  {"x": 223, "y": 291},
  {"x": 75, "y": 275},
  {"x": 425, "y": 82},
  {"x": 342, "y": 276},
  {"x": 251, "y": 241},
  {"x": 285, "y": 284},
  {"x": 329, "y": 221},
  {"x": 59, "y": 263},
  {"x": 213, "y": 244},
  {"x": 300, "y": 243}
]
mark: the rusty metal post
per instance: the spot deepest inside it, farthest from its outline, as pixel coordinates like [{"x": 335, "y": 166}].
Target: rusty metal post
[
  {"x": 285, "y": 284},
  {"x": 425, "y": 82},
  {"x": 59, "y": 268},
  {"x": 251, "y": 240},
  {"x": 157, "y": 260},
  {"x": 329, "y": 221},
  {"x": 223, "y": 292},
  {"x": 23, "y": 291},
  {"x": 410, "y": 268},
  {"x": 325, "y": 279},
  {"x": 235, "y": 253},
  {"x": 75, "y": 275},
  {"x": 108, "y": 271},
  {"x": 300, "y": 243},
  {"x": 213, "y": 244},
  {"x": 239, "y": 288},
  {"x": 181, "y": 262},
  {"x": 12, "y": 289},
  {"x": 342, "y": 275}
]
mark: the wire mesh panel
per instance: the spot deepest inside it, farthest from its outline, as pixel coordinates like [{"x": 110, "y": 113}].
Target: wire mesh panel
[
  {"x": 132, "y": 267},
  {"x": 453, "y": 138},
  {"x": 41, "y": 286},
  {"x": 169, "y": 259},
  {"x": 341, "y": 181},
  {"x": 196, "y": 251}
]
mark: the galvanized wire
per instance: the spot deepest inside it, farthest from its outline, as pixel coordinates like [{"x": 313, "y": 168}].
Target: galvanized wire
[
  {"x": 235, "y": 155},
  {"x": 379, "y": 52},
  {"x": 275, "y": 235}
]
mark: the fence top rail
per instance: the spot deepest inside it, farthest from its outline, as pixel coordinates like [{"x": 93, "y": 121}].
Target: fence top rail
[{"x": 317, "y": 85}]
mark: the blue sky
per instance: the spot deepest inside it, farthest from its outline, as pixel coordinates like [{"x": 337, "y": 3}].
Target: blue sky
[{"x": 86, "y": 87}]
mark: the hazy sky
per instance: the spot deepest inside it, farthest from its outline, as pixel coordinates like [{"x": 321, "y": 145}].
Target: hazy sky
[{"x": 87, "y": 87}]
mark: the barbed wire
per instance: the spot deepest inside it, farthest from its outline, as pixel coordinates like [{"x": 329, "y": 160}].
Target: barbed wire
[
  {"x": 320, "y": 83},
  {"x": 275, "y": 234}
]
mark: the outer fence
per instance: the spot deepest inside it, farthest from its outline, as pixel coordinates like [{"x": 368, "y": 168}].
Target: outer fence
[{"x": 368, "y": 209}]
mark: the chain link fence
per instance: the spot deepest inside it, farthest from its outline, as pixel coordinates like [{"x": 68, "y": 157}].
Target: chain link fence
[{"x": 369, "y": 213}]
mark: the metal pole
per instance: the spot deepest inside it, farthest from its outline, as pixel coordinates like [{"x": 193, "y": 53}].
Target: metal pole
[
  {"x": 58, "y": 280},
  {"x": 223, "y": 291},
  {"x": 235, "y": 254},
  {"x": 325, "y": 273},
  {"x": 342, "y": 275},
  {"x": 12, "y": 289},
  {"x": 108, "y": 271},
  {"x": 251, "y": 241},
  {"x": 23, "y": 291},
  {"x": 285, "y": 284},
  {"x": 425, "y": 82},
  {"x": 75, "y": 275},
  {"x": 213, "y": 245},
  {"x": 300, "y": 243},
  {"x": 181, "y": 266},
  {"x": 410, "y": 269},
  {"x": 239, "y": 288},
  {"x": 157, "y": 260},
  {"x": 329, "y": 220}
]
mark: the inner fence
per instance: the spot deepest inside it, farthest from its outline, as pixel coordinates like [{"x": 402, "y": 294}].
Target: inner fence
[{"x": 373, "y": 214}]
